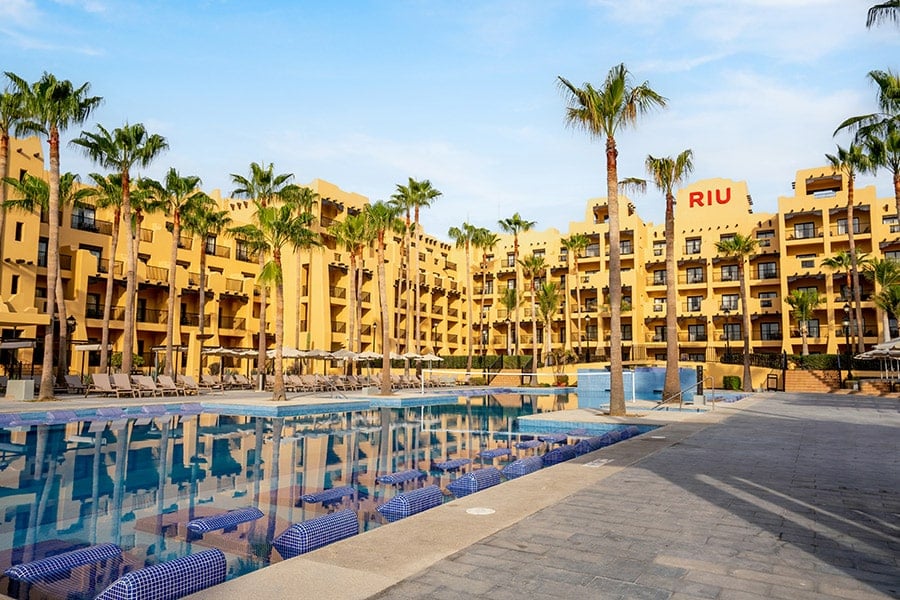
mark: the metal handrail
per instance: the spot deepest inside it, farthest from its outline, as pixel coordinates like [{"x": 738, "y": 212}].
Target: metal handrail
[{"x": 680, "y": 393}]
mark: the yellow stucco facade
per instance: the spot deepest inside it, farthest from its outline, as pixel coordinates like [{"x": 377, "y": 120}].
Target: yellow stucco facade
[{"x": 808, "y": 226}]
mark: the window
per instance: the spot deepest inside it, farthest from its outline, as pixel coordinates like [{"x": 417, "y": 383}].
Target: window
[
  {"x": 510, "y": 259},
  {"x": 696, "y": 357},
  {"x": 730, "y": 273},
  {"x": 730, "y": 301},
  {"x": 766, "y": 299},
  {"x": 43, "y": 244},
  {"x": 563, "y": 254},
  {"x": 211, "y": 244},
  {"x": 659, "y": 333},
  {"x": 94, "y": 310},
  {"x": 659, "y": 305},
  {"x": 84, "y": 218},
  {"x": 842, "y": 226},
  {"x": 812, "y": 328},
  {"x": 489, "y": 287},
  {"x": 242, "y": 251},
  {"x": 769, "y": 331},
  {"x": 810, "y": 289},
  {"x": 511, "y": 284},
  {"x": 804, "y": 230},
  {"x": 19, "y": 226},
  {"x": 892, "y": 254},
  {"x": 807, "y": 261},
  {"x": 694, "y": 303},
  {"x": 626, "y": 332},
  {"x": 692, "y": 246},
  {"x": 726, "y": 237},
  {"x": 764, "y": 238},
  {"x": 539, "y": 253},
  {"x": 732, "y": 331},
  {"x": 626, "y": 247},
  {"x": 695, "y": 274},
  {"x": 894, "y": 226},
  {"x": 592, "y": 249},
  {"x": 590, "y": 305},
  {"x": 697, "y": 333},
  {"x": 659, "y": 248},
  {"x": 659, "y": 277},
  {"x": 14, "y": 285},
  {"x": 767, "y": 270}
]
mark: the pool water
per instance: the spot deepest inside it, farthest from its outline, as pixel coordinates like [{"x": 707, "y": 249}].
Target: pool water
[{"x": 135, "y": 478}]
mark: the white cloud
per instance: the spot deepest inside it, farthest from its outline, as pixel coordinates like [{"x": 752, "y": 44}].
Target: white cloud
[{"x": 18, "y": 12}]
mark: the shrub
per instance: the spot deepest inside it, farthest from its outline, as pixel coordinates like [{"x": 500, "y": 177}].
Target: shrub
[
  {"x": 562, "y": 379},
  {"x": 731, "y": 382}
]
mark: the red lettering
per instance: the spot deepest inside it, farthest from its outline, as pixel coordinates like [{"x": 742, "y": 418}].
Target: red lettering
[
  {"x": 727, "y": 198},
  {"x": 695, "y": 198}
]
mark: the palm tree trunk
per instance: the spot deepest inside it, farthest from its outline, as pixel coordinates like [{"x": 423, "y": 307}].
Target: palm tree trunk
[
  {"x": 130, "y": 277},
  {"x": 278, "y": 386},
  {"x": 170, "y": 304},
  {"x": 672, "y": 385},
  {"x": 201, "y": 306},
  {"x": 385, "y": 320},
  {"x": 854, "y": 269},
  {"x": 518, "y": 286},
  {"x": 417, "y": 337},
  {"x": 261, "y": 345},
  {"x": 616, "y": 383},
  {"x": 470, "y": 282},
  {"x": 354, "y": 300},
  {"x": 46, "y": 392},
  {"x": 4, "y": 168},
  {"x": 578, "y": 302},
  {"x": 747, "y": 384},
  {"x": 63, "y": 357},
  {"x": 110, "y": 283},
  {"x": 534, "y": 340}
]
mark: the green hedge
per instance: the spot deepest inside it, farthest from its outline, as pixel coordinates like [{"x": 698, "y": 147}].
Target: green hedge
[{"x": 731, "y": 382}]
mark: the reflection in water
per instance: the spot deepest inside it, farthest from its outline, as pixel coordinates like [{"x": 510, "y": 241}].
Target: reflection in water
[{"x": 150, "y": 475}]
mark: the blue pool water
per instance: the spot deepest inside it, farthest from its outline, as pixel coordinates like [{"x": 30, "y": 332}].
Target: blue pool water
[{"x": 74, "y": 478}]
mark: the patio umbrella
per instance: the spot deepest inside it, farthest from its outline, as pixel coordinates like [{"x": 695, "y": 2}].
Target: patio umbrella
[{"x": 286, "y": 352}]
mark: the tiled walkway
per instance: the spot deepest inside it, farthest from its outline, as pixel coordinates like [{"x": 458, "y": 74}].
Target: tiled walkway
[{"x": 794, "y": 496}]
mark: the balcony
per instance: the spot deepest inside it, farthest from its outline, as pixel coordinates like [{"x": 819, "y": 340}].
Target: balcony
[
  {"x": 219, "y": 251},
  {"x": 185, "y": 242},
  {"x": 103, "y": 267},
  {"x": 189, "y": 319},
  {"x": 157, "y": 274},
  {"x": 151, "y": 315},
  {"x": 365, "y": 297},
  {"x": 88, "y": 223},
  {"x": 234, "y": 286},
  {"x": 337, "y": 292},
  {"x": 231, "y": 322},
  {"x": 338, "y": 327}
]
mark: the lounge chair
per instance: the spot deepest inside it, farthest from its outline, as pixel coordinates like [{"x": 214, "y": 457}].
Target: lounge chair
[
  {"x": 122, "y": 383},
  {"x": 167, "y": 386},
  {"x": 145, "y": 386},
  {"x": 189, "y": 384},
  {"x": 101, "y": 384},
  {"x": 209, "y": 382},
  {"x": 74, "y": 384},
  {"x": 241, "y": 381}
]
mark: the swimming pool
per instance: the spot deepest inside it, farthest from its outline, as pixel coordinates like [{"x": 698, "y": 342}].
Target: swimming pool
[{"x": 135, "y": 477}]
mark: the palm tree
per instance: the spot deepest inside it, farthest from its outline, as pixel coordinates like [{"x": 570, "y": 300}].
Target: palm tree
[
  {"x": 275, "y": 228},
  {"x": 884, "y": 273},
  {"x": 848, "y": 162},
  {"x": 178, "y": 195},
  {"x": 533, "y": 267},
  {"x": 34, "y": 193},
  {"x": 510, "y": 299},
  {"x": 381, "y": 219},
  {"x": 485, "y": 240},
  {"x": 804, "y": 304},
  {"x": 12, "y": 113},
  {"x": 204, "y": 221},
  {"x": 667, "y": 173},
  {"x": 264, "y": 186},
  {"x": 464, "y": 237},
  {"x": 107, "y": 193},
  {"x": 879, "y": 132},
  {"x": 51, "y": 106},
  {"x": 575, "y": 245},
  {"x": 741, "y": 247},
  {"x": 548, "y": 301},
  {"x": 888, "y": 300},
  {"x": 886, "y": 11},
  {"x": 302, "y": 199},
  {"x": 350, "y": 234},
  {"x": 123, "y": 149},
  {"x": 602, "y": 112},
  {"x": 515, "y": 225},
  {"x": 416, "y": 195}
]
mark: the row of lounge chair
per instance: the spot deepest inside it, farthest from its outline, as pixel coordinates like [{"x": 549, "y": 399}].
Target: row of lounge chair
[{"x": 136, "y": 386}]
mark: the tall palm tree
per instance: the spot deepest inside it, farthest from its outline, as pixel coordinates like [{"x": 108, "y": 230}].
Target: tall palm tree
[
  {"x": 381, "y": 219},
  {"x": 884, "y": 273},
  {"x": 264, "y": 186},
  {"x": 34, "y": 193},
  {"x": 510, "y": 299},
  {"x": 741, "y": 247},
  {"x": 416, "y": 195},
  {"x": 485, "y": 240},
  {"x": 302, "y": 199},
  {"x": 516, "y": 225},
  {"x": 885, "y": 11},
  {"x": 275, "y": 228},
  {"x": 888, "y": 300},
  {"x": 848, "y": 162},
  {"x": 548, "y": 300},
  {"x": 178, "y": 195},
  {"x": 203, "y": 220},
  {"x": 12, "y": 114},
  {"x": 575, "y": 245},
  {"x": 804, "y": 304},
  {"x": 106, "y": 192},
  {"x": 667, "y": 173},
  {"x": 879, "y": 132},
  {"x": 464, "y": 237},
  {"x": 533, "y": 267},
  {"x": 51, "y": 106},
  {"x": 602, "y": 112},
  {"x": 350, "y": 234},
  {"x": 122, "y": 150}
]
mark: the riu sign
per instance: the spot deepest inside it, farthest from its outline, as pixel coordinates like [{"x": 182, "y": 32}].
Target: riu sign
[{"x": 707, "y": 199}]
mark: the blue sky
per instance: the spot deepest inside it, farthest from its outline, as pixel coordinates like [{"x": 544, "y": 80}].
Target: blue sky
[{"x": 366, "y": 94}]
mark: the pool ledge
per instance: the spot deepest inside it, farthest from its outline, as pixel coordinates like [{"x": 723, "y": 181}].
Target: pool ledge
[{"x": 366, "y": 564}]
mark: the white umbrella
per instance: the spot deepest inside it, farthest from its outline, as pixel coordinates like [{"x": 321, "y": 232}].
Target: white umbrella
[
  {"x": 431, "y": 357},
  {"x": 344, "y": 354},
  {"x": 286, "y": 352},
  {"x": 367, "y": 355},
  {"x": 411, "y": 356}
]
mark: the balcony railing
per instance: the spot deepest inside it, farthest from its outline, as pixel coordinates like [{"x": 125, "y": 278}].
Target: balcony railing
[
  {"x": 185, "y": 242},
  {"x": 338, "y": 327},
  {"x": 365, "y": 297},
  {"x": 151, "y": 315},
  {"x": 337, "y": 292},
  {"x": 157, "y": 273},
  {"x": 452, "y": 312},
  {"x": 229, "y": 322},
  {"x": 87, "y": 223},
  {"x": 103, "y": 267},
  {"x": 146, "y": 234},
  {"x": 235, "y": 286},
  {"x": 189, "y": 319}
]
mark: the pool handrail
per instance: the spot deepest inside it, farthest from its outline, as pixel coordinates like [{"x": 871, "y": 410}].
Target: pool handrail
[{"x": 680, "y": 393}]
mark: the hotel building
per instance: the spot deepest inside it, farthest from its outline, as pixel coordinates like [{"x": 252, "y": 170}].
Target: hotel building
[{"x": 809, "y": 226}]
